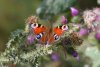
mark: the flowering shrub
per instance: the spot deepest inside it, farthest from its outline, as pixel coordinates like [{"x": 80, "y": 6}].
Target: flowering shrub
[{"x": 60, "y": 39}]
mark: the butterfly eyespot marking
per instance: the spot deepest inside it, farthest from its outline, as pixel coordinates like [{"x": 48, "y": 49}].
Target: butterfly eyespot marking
[
  {"x": 56, "y": 37},
  {"x": 34, "y": 25},
  {"x": 39, "y": 36},
  {"x": 64, "y": 27}
]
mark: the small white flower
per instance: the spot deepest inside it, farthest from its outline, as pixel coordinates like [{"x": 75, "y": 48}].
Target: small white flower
[
  {"x": 50, "y": 51},
  {"x": 86, "y": 65}
]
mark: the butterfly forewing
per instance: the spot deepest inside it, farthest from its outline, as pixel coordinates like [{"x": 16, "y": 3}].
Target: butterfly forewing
[{"x": 38, "y": 28}]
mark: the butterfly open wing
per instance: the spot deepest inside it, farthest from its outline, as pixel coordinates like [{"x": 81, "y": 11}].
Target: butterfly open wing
[
  {"x": 39, "y": 31},
  {"x": 57, "y": 32}
]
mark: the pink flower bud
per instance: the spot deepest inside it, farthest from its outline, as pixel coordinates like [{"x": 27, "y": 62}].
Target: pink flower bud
[
  {"x": 63, "y": 20},
  {"x": 97, "y": 36},
  {"x": 98, "y": 18},
  {"x": 55, "y": 57},
  {"x": 30, "y": 39},
  {"x": 74, "y": 11},
  {"x": 83, "y": 32}
]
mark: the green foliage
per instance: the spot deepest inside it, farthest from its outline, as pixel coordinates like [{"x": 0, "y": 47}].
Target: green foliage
[{"x": 50, "y": 8}]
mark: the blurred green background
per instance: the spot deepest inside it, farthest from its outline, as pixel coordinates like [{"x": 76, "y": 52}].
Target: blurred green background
[{"x": 13, "y": 14}]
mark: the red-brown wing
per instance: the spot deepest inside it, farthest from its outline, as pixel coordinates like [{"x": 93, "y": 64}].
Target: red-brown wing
[
  {"x": 60, "y": 29},
  {"x": 38, "y": 28},
  {"x": 57, "y": 32},
  {"x": 39, "y": 31}
]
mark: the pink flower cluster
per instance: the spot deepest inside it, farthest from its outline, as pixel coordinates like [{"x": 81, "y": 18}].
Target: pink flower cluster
[{"x": 92, "y": 18}]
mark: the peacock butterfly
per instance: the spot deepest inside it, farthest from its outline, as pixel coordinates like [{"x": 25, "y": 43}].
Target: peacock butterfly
[{"x": 45, "y": 34}]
